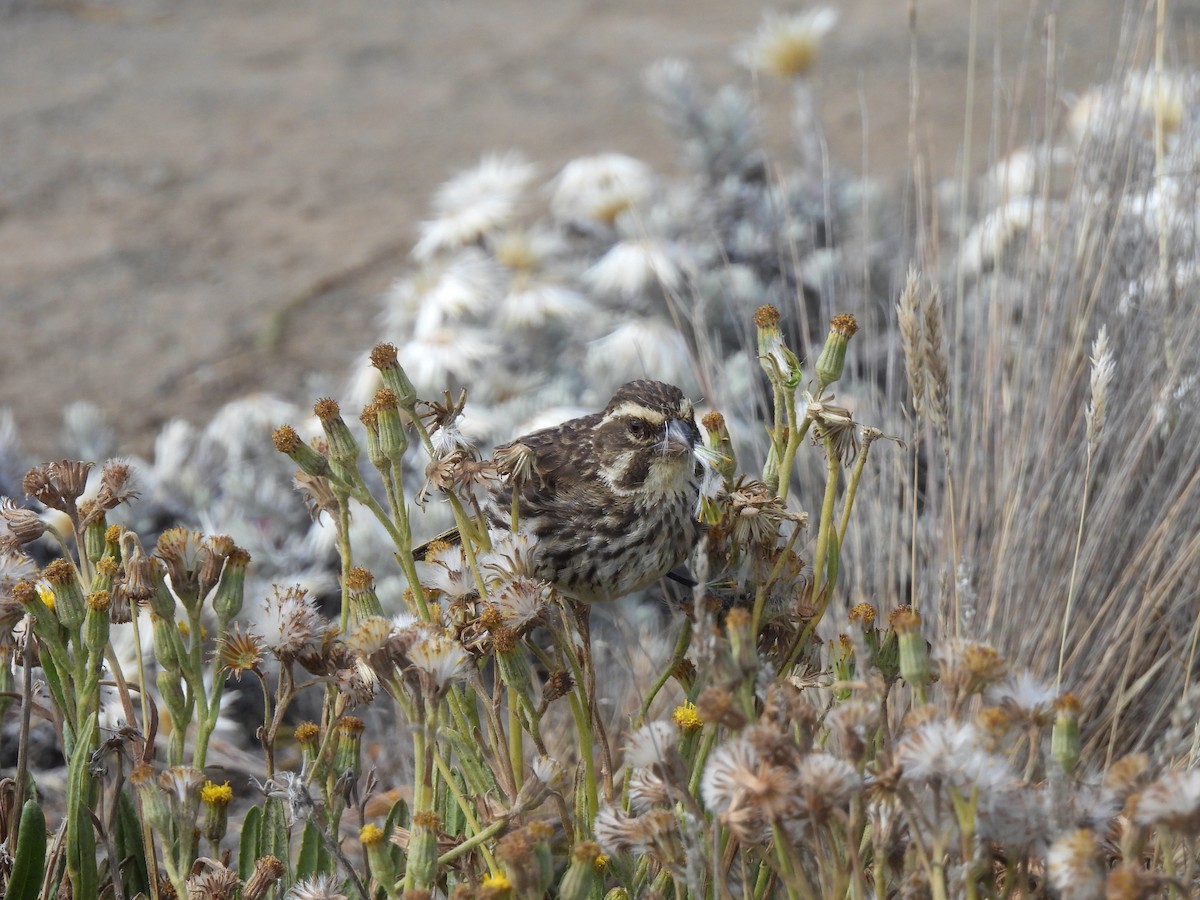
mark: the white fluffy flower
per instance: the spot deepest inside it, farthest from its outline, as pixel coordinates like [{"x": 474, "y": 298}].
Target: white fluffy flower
[
  {"x": 640, "y": 348},
  {"x": 446, "y": 357},
  {"x": 475, "y": 203},
  {"x": 633, "y": 266},
  {"x": 461, "y": 287},
  {"x": 991, "y": 236},
  {"x": 534, "y": 304},
  {"x": 787, "y": 45},
  {"x": 596, "y": 189}
]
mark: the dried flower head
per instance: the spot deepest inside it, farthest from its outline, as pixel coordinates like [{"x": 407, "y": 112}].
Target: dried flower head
[
  {"x": 267, "y": 870},
  {"x": 1173, "y": 801},
  {"x": 374, "y": 640},
  {"x": 716, "y": 704},
  {"x": 824, "y": 783},
  {"x": 239, "y": 651},
  {"x": 650, "y": 745},
  {"x": 835, "y": 426},
  {"x": 756, "y": 515},
  {"x": 320, "y": 887},
  {"x": 180, "y": 552},
  {"x": 747, "y": 792},
  {"x": 1124, "y": 777},
  {"x": 440, "y": 661},
  {"x": 521, "y": 601},
  {"x": 445, "y": 571},
  {"x": 213, "y": 882},
  {"x": 558, "y": 684},
  {"x": 654, "y": 833},
  {"x": 116, "y": 485},
  {"x": 1025, "y": 697},
  {"x": 944, "y": 751},
  {"x": 16, "y": 568},
  {"x": 513, "y": 555},
  {"x": 647, "y": 789},
  {"x": 182, "y": 783},
  {"x": 21, "y": 526},
  {"x": 292, "y": 789},
  {"x": 1073, "y": 866},
  {"x": 290, "y": 625},
  {"x": 969, "y": 667}
]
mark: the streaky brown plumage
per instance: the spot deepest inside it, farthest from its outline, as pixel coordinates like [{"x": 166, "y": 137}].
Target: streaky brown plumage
[{"x": 611, "y": 497}]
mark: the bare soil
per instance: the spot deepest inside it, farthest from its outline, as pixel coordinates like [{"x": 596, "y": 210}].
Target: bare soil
[{"x": 180, "y": 179}]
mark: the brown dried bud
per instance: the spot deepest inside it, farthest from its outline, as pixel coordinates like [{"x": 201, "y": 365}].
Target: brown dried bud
[
  {"x": 39, "y": 484},
  {"x": 24, "y": 526},
  {"x": 267, "y": 871},
  {"x": 558, "y": 685},
  {"x": 116, "y": 485}
]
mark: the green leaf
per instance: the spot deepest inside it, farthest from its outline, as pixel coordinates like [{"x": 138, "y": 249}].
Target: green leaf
[
  {"x": 314, "y": 858},
  {"x": 81, "y": 834},
  {"x": 399, "y": 815},
  {"x": 127, "y": 844},
  {"x": 455, "y": 821},
  {"x": 249, "y": 845},
  {"x": 29, "y": 861},
  {"x": 274, "y": 840},
  {"x": 833, "y": 558}
]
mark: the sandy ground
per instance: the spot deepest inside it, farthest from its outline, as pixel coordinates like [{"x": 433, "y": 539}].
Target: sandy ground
[{"x": 177, "y": 176}]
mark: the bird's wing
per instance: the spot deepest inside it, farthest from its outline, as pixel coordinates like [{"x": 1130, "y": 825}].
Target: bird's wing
[{"x": 560, "y": 454}]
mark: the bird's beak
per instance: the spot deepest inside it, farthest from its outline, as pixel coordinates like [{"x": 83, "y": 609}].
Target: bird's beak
[{"x": 680, "y": 439}]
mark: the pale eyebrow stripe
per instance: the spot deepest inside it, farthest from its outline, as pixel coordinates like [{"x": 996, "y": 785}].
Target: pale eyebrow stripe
[{"x": 630, "y": 410}]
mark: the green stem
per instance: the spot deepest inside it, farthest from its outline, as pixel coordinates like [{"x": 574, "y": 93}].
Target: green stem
[
  {"x": 794, "y": 882},
  {"x": 583, "y": 719},
  {"x": 852, "y": 488},
  {"x": 795, "y": 436},
  {"x": 681, "y": 648},
  {"x": 345, "y": 555},
  {"x": 477, "y": 840},
  {"x": 516, "y": 747},
  {"x": 209, "y": 717},
  {"x": 831, "y": 480}
]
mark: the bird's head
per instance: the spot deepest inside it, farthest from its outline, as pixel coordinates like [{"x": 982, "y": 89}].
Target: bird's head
[{"x": 645, "y": 439}]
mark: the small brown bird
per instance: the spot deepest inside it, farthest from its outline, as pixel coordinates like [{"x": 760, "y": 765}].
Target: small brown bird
[{"x": 611, "y": 497}]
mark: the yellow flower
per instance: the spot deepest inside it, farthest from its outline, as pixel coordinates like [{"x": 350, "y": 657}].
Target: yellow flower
[
  {"x": 687, "y": 718},
  {"x": 45, "y": 593},
  {"x": 370, "y": 835},
  {"x": 496, "y": 885},
  {"x": 216, "y": 794}
]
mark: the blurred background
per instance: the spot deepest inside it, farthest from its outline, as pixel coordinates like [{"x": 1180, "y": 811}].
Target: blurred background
[{"x": 204, "y": 200}]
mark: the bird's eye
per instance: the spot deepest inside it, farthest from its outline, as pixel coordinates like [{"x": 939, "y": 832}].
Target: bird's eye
[{"x": 639, "y": 428}]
